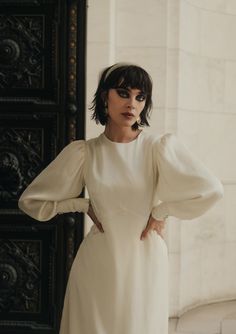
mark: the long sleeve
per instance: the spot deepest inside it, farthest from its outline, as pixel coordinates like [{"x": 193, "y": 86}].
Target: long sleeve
[
  {"x": 56, "y": 189},
  {"x": 185, "y": 187}
]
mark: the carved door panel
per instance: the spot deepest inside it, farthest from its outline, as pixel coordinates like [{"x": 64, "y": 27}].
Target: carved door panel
[{"x": 42, "y": 53}]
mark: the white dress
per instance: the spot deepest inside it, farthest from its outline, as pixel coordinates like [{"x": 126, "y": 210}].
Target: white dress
[{"x": 118, "y": 283}]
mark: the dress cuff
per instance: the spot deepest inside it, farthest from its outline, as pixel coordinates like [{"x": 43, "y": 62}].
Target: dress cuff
[
  {"x": 160, "y": 212},
  {"x": 73, "y": 205}
]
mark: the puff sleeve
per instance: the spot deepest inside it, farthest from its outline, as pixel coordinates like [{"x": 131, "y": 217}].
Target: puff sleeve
[
  {"x": 56, "y": 189},
  {"x": 185, "y": 187}
]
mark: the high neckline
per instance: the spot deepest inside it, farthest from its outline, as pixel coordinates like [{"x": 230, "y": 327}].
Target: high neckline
[{"x": 121, "y": 143}]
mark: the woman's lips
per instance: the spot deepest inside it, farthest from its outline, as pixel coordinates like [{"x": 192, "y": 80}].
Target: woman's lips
[{"x": 128, "y": 115}]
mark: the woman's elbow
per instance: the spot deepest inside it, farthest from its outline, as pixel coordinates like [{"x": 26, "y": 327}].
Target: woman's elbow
[
  {"x": 22, "y": 205},
  {"x": 38, "y": 211},
  {"x": 218, "y": 192},
  {"x": 25, "y": 207}
]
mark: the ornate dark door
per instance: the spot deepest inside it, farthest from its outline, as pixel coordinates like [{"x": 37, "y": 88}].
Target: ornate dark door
[{"x": 42, "y": 53}]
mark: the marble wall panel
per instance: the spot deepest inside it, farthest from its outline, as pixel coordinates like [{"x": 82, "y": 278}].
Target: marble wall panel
[
  {"x": 189, "y": 26},
  {"x": 99, "y": 16},
  {"x": 174, "y": 281},
  {"x": 222, "y": 6},
  {"x": 171, "y": 120},
  {"x": 95, "y": 65},
  {"x": 141, "y": 23},
  {"x": 173, "y": 234},
  {"x": 190, "y": 279},
  {"x": 230, "y": 7},
  {"x": 172, "y": 78},
  {"x": 157, "y": 122},
  {"x": 230, "y": 83},
  {"x": 218, "y": 273},
  {"x": 209, "y": 228},
  {"x": 201, "y": 83},
  {"x": 173, "y": 23},
  {"x": 230, "y": 213},
  {"x": 211, "y": 136},
  {"x": 228, "y": 268},
  {"x": 216, "y": 35}
]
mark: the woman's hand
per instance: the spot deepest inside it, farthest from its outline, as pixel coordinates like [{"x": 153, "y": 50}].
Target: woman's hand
[
  {"x": 153, "y": 224},
  {"x": 92, "y": 215}
]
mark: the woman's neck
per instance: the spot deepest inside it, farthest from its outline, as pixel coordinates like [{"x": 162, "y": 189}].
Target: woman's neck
[{"x": 120, "y": 134}]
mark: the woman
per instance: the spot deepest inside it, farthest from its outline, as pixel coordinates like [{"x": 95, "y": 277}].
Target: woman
[{"x": 119, "y": 279}]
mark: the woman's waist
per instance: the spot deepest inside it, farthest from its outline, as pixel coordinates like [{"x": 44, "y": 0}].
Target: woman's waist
[
  {"x": 123, "y": 223},
  {"x": 122, "y": 216}
]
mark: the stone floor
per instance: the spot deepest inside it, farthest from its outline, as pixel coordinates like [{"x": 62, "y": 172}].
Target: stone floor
[{"x": 216, "y": 318}]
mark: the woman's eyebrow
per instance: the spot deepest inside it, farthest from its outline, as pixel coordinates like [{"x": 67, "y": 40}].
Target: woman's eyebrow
[
  {"x": 129, "y": 90},
  {"x": 141, "y": 92}
]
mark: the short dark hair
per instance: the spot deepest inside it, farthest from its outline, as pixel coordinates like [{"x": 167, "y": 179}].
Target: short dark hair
[{"x": 124, "y": 76}]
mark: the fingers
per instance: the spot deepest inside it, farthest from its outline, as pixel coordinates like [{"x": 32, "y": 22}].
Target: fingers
[
  {"x": 160, "y": 233},
  {"x": 144, "y": 234},
  {"x": 153, "y": 224},
  {"x": 93, "y": 217},
  {"x": 99, "y": 226},
  {"x": 146, "y": 230}
]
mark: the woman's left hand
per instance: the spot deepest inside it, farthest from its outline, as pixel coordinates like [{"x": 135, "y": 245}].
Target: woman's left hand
[{"x": 153, "y": 224}]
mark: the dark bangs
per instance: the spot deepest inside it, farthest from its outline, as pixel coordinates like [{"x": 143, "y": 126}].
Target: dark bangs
[
  {"x": 126, "y": 76},
  {"x": 129, "y": 77}
]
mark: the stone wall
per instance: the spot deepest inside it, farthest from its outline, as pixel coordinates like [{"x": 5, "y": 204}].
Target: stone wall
[{"x": 188, "y": 48}]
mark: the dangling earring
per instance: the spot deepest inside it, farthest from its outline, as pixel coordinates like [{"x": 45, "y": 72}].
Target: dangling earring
[
  {"x": 105, "y": 109},
  {"x": 138, "y": 120}
]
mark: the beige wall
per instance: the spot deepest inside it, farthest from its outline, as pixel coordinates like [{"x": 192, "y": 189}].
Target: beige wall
[
  {"x": 188, "y": 48},
  {"x": 207, "y": 123}
]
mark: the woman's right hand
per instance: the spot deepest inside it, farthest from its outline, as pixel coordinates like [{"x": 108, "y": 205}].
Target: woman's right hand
[{"x": 92, "y": 215}]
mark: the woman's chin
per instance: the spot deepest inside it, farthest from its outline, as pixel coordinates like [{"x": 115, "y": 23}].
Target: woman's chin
[
  {"x": 124, "y": 123},
  {"x": 128, "y": 123}
]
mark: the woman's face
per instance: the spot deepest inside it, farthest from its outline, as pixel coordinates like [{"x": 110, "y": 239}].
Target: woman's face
[{"x": 125, "y": 105}]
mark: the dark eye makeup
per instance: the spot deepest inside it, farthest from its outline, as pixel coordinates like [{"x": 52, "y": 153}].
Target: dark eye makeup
[{"x": 124, "y": 93}]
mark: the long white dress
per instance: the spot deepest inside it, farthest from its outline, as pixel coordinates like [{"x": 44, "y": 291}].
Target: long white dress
[{"x": 118, "y": 283}]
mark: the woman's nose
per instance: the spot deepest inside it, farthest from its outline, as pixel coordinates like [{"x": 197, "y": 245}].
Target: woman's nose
[{"x": 131, "y": 102}]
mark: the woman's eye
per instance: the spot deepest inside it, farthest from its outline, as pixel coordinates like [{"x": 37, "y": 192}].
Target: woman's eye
[
  {"x": 125, "y": 94},
  {"x": 122, "y": 93},
  {"x": 141, "y": 97}
]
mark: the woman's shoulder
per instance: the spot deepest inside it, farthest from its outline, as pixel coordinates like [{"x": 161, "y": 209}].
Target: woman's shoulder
[
  {"x": 75, "y": 145},
  {"x": 148, "y": 138},
  {"x": 80, "y": 144},
  {"x": 72, "y": 153},
  {"x": 93, "y": 141},
  {"x": 158, "y": 139}
]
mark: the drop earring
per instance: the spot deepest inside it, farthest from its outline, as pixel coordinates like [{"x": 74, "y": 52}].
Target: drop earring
[
  {"x": 105, "y": 109},
  {"x": 138, "y": 120}
]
